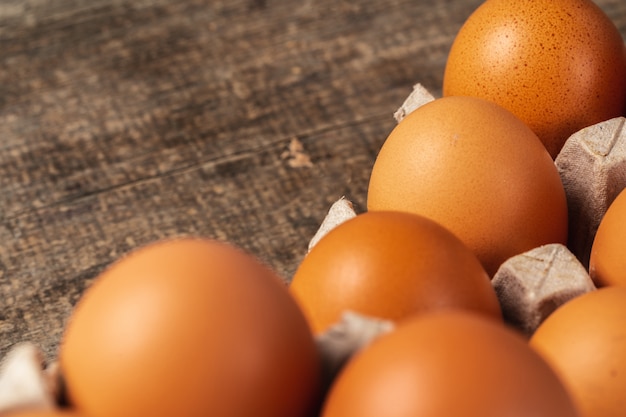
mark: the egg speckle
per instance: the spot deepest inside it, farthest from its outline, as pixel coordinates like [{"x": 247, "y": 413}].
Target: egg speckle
[{"x": 559, "y": 65}]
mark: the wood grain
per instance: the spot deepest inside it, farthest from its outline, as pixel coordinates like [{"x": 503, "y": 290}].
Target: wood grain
[{"x": 127, "y": 121}]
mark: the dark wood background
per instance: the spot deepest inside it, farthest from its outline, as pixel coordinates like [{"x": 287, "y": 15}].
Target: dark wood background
[{"x": 127, "y": 121}]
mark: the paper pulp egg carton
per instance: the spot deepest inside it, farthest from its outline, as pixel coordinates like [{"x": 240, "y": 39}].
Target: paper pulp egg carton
[{"x": 530, "y": 286}]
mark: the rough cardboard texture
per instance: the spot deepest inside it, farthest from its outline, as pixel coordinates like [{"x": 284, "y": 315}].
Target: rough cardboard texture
[
  {"x": 342, "y": 340},
  {"x": 340, "y": 211},
  {"x": 530, "y": 286},
  {"x": 592, "y": 165},
  {"x": 418, "y": 97}
]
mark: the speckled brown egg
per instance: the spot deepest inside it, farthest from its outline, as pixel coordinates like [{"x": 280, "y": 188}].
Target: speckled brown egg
[
  {"x": 476, "y": 169},
  {"x": 559, "y": 65}
]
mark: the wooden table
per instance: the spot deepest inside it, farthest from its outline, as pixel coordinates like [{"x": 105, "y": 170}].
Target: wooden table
[{"x": 127, "y": 121}]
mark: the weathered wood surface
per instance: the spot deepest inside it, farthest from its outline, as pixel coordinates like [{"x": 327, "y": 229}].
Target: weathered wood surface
[{"x": 127, "y": 121}]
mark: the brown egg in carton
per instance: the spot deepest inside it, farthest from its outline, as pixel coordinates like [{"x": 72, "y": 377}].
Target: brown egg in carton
[{"x": 530, "y": 286}]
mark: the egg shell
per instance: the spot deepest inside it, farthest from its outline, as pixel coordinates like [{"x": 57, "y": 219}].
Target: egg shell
[
  {"x": 476, "y": 169},
  {"x": 559, "y": 65},
  {"x": 189, "y": 327},
  {"x": 448, "y": 363},
  {"x": 607, "y": 263},
  {"x": 390, "y": 265},
  {"x": 585, "y": 342}
]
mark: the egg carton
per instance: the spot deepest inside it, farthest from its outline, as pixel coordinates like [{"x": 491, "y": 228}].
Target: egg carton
[
  {"x": 529, "y": 286},
  {"x": 27, "y": 382}
]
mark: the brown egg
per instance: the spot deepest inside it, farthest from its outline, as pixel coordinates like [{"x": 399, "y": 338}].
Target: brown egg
[
  {"x": 390, "y": 265},
  {"x": 448, "y": 364},
  {"x": 559, "y": 65},
  {"x": 607, "y": 263},
  {"x": 189, "y": 327},
  {"x": 479, "y": 171},
  {"x": 585, "y": 342}
]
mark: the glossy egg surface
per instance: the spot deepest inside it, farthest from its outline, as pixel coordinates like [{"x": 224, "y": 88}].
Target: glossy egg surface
[
  {"x": 585, "y": 342},
  {"x": 189, "y": 327},
  {"x": 390, "y": 265},
  {"x": 448, "y": 364},
  {"x": 607, "y": 263}
]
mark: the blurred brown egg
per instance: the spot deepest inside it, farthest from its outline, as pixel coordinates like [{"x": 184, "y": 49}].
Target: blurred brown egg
[
  {"x": 585, "y": 342},
  {"x": 189, "y": 327},
  {"x": 479, "y": 171},
  {"x": 607, "y": 263},
  {"x": 390, "y": 265},
  {"x": 559, "y": 65},
  {"x": 448, "y": 364}
]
